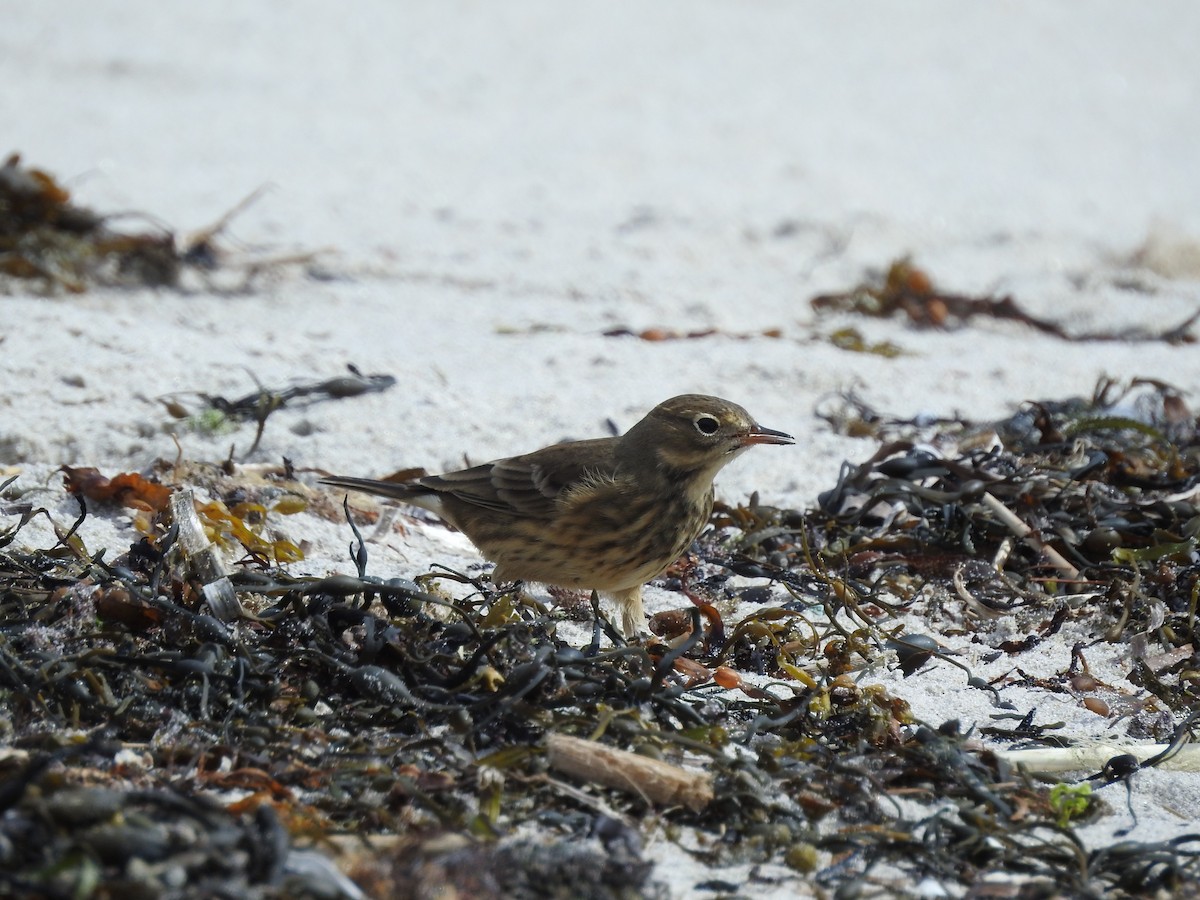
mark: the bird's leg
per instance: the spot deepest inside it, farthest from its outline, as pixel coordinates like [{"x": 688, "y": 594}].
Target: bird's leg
[{"x": 633, "y": 614}]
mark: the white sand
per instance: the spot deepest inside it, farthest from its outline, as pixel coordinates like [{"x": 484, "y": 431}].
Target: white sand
[{"x": 497, "y": 184}]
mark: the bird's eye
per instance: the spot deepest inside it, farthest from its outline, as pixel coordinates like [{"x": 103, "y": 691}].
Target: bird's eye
[{"x": 707, "y": 424}]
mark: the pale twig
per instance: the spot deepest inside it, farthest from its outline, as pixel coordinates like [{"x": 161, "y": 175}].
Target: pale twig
[
  {"x": 653, "y": 780},
  {"x": 1013, "y": 522}
]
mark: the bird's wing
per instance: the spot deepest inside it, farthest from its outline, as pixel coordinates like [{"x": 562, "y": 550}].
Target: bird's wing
[{"x": 528, "y": 486}]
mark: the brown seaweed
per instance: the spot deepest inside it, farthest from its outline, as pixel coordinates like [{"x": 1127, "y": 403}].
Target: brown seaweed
[
  {"x": 55, "y": 243},
  {"x": 908, "y": 290},
  {"x": 343, "y": 705}
]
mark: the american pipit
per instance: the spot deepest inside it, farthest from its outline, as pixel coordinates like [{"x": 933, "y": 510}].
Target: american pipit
[{"x": 607, "y": 514}]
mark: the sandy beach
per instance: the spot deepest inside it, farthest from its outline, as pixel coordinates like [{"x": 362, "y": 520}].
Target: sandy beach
[{"x": 493, "y": 204}]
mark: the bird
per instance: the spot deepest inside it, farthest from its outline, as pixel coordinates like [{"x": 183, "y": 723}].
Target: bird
[{"x": 606, "y": 514}]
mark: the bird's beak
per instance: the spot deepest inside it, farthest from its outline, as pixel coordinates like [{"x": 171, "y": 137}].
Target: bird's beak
[{"x": 759, "y": 435}]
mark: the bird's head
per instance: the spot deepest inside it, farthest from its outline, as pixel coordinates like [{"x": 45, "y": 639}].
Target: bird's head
[{"x": 694, "y": 433}]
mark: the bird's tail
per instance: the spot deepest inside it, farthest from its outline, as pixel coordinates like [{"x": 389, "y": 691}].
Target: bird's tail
[{"x": 396, "y": 490}]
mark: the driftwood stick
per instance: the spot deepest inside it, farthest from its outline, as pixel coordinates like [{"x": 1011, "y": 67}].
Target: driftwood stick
[
  {"x": 1052, "y": 761},
  {"x": 1014, "y": 524},
  {"x": 653, "y": 780}
]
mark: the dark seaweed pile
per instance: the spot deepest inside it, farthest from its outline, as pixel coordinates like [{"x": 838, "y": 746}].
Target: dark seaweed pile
[
  {"x": 155, "y": 750},
  {"x": 46, "y": 238},
  {"x": 55, "y": 244}
]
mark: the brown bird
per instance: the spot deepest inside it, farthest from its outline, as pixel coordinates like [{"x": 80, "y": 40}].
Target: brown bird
[{"x": 607, "y": 514}]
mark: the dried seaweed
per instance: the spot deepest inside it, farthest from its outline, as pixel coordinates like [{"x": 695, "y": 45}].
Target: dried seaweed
[
  {"x": 387, "y": 708},
  {"x": 126, "y": 489},
  {"x": 260, "y": 404},
  {"x": 48, "y": 240},
  {"x": 658, "y": 334},
  {"x": 910, "y": 291}
]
